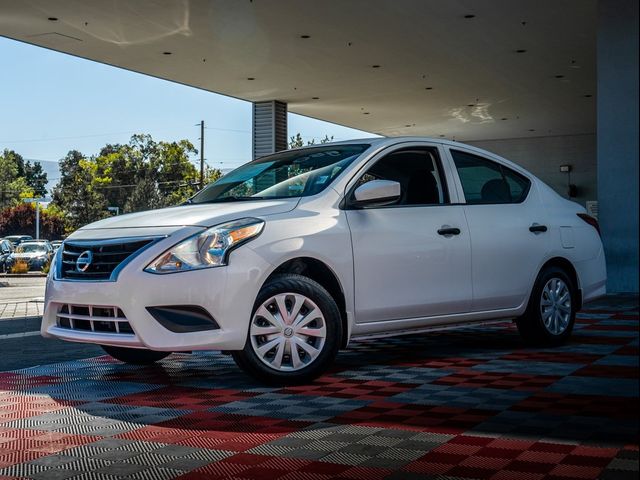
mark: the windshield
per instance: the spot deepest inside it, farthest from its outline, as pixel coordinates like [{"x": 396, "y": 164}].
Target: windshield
[
  {"x": 31, "y": 248},
  {"x": 296, "y": 173}
]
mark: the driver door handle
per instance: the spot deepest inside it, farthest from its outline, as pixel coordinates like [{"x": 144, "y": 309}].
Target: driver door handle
[
  {"x": 535, "y": 228},
  {"x": 449, "y": 231}
]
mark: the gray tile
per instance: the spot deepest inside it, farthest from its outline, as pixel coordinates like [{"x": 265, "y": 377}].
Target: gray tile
[
  {"x": 121, "y": 469},
  {"x": 185, "y": 464},
  {"x": 53, "y": 460}
]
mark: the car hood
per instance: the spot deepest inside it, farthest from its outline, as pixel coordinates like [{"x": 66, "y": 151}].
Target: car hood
[{"x": 203, "y": 215}]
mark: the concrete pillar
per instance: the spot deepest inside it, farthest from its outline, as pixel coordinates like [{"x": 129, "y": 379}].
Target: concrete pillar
[
  {"x": 618, "y": 140},
  {"x": 269, "y": 127}
]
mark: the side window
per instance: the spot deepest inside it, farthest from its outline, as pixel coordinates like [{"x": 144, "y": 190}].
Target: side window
[
  {"x": 418, "y": 172},
  {"x": 518, "y": 185},
  {"x": 487, "y": 182}
]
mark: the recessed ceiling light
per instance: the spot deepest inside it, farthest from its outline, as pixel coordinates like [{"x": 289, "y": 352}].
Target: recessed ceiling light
[
  {"x": 53, "y": 19},
  {"x": 559, "y": 76},
  {"x": 470, "y": 15},
  {"x": 166, "y": 53},
  {"x": 250, "y": 78},
  {"x": 375, "y": 66},
  {"x": 521, "y": 50},
  {"x": 305, "y": 36}
]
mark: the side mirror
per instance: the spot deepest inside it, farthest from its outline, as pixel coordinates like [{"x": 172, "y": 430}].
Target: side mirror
[{"x": 377, "y": 192}]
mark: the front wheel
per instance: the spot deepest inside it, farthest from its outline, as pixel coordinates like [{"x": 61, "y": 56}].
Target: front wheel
[
  {"x": 294, "y": 333},
  {"x": 551, "y": 312},
  {"x": 135, "y": 356}
]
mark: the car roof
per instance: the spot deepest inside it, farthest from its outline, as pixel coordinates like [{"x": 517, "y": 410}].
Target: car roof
[{"x": 381, "y": 142}]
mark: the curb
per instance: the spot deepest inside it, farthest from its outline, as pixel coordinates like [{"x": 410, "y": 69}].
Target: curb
[{"x": 23, "y": 275}]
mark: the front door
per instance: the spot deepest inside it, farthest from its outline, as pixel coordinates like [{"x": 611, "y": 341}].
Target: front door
[{"x": 412, "y": 258}]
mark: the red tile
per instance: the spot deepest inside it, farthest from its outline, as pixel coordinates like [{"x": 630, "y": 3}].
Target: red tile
[
  {"x": 575, "y": 472},
  {"x": 552, "y": 447}
]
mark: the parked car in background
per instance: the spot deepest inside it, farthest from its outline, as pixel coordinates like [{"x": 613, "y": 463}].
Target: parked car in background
[
  {"x": 55, "y": 244},
  {"x": 36, "y": 253},
  {"x": 6, "y": 249},
  {"x": 288, "y": 258},
  {"x": 18, "y": 239}
]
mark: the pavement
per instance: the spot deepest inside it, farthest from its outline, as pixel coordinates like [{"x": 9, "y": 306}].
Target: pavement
[
  {"x": 21, "y": 296},
  {"x": 472, "y": 403},
  {"x": 21, "y": 346}
]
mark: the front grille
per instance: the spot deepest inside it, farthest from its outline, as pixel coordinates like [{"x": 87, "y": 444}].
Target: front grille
[
  {"x": 93, "y": 318},
  {"x": 106, "y": 256}
]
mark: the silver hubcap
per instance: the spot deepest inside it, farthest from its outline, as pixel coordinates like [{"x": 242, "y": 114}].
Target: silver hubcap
[
  {"x": 555, "y": 306},
  {"x": 288, "y": 332}
]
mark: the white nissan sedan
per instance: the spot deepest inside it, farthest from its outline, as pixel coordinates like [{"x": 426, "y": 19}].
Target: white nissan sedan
[{"x": 288, "y": 258}]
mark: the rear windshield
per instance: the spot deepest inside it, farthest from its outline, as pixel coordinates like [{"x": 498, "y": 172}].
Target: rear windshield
[{"x": 31, "y": 248}]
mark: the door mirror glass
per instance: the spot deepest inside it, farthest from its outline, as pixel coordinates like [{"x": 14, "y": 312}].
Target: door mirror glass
[{"x": 378, "y": 192}]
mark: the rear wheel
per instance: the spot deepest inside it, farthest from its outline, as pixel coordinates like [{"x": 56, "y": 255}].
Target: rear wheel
[
  {"x": 551, "y": 312},
  {"x": 294, "y": 333},
  {"x": 135, "y": 356}
]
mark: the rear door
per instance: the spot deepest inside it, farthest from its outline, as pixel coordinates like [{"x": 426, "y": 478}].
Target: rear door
[
  {"x": 507, "y": 228},
  {"x": 405, "y": 265}
]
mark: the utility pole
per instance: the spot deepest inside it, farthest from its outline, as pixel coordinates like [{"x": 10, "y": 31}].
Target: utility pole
[
  {"x": 37, "y": 220},
  {"x": 201, "y": 155},
  {"x": 37, "y": 201}
]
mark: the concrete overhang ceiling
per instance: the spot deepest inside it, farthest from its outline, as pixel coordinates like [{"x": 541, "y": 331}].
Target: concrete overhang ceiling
[{"x": 466, "y": 69}]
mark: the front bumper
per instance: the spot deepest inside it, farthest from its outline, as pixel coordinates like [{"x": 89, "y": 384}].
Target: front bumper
[{"x": 226, "y": 293}]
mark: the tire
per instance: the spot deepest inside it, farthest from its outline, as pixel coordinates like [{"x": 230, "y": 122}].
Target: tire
[
  {"x": 135, "y": 356},
  {"x": 551, "y": 311},
  {"x": 290, "y": 348}
]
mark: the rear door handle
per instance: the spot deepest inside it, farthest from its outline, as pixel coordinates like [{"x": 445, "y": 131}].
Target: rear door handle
[
  {"x": 449, "y": 231},
  {"x": 535, "y": 228}
]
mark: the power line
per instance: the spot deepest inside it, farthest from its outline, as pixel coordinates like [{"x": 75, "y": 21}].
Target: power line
[{"x": 51, "y": 139}]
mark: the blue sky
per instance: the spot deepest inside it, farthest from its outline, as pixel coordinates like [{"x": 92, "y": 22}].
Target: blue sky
[{"x": 51, "y": 103}]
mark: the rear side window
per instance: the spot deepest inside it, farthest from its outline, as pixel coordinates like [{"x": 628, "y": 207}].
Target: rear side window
[{"x": 487, "y": 182}]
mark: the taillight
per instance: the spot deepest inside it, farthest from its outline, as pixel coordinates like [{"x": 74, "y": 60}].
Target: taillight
[{"x": 590, "y": 220}]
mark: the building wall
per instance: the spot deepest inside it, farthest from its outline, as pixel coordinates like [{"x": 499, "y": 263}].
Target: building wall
[
  {"x": 618, "y": 140},
  {"x": 543, "y": 156}
]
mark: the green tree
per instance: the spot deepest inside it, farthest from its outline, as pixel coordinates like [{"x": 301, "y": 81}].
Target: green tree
[
  {"x": 34, "y": 175},
  {"x": 77, "y": 192},
  {"x": 146, "y": 174},
  {"x": 36, "y": 178},
  {"x": 296, "y": 141},
  {"x": 13, "y": 185},
  {"x": 140, "y": 175},
  {"x": 20, "y": 220}
]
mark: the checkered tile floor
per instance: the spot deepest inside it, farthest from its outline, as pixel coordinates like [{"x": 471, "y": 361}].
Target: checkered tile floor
[{"x": 474, "y": 403}]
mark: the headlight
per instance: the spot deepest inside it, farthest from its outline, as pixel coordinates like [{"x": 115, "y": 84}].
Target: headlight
[{"x": 207, "y": 249}]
